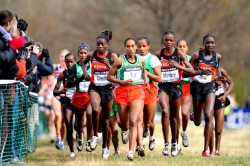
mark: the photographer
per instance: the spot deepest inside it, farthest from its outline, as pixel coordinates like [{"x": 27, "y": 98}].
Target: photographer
[{"x": 43, "y": 68}]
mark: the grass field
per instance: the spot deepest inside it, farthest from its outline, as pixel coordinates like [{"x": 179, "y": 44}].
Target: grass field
[{"x": 235, "y": 150}]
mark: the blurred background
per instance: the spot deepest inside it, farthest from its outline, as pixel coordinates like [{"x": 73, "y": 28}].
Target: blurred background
[{"x": 61, "y": 24}]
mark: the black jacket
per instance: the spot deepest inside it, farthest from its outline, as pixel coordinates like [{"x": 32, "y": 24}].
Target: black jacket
[
  {"x": 43, "y": 69},
  {"x": 8, "y": 67}
]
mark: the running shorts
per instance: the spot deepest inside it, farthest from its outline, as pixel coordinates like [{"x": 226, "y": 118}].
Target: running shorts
[
  {"x": 126, "y": 94},
  {"x": 218, "y": 104},
  {"x": 200, "y": 90},
  {"x": 105, "y": 92},
  {"x": 66, "y": 103},
  {"x": 151, "y": 95},
  {"x": 174, "y": 91},
  {"x": 80, "y": 99},
  {"x": 185, "y": 90}
]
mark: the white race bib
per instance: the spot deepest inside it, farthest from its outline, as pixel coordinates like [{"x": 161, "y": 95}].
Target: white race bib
[
  {"x": 170, "y": 76},
  {"x": 84, "y": 86},
  {"x": 219, "y": 91},
  {"x": 203, "y": 78},
  {"x": 100, "y": 79},
  {"x": 70, "y": 92},
  {"x": 134, "y": 75}
]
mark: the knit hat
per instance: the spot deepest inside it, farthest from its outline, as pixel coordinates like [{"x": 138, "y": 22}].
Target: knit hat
[
  {"x": 83, "y": 46},
  {"x": 22, "y": 25}
]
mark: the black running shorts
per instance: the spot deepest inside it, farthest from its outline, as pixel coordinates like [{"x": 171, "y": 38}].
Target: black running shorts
[
  {"x": 105, "y": 92},
  {"x": 66, "y": 103},
  {"x": 218, "y": 104},
  {"x": 200, "y": 90},
  {"x": 174, "y": 91}
]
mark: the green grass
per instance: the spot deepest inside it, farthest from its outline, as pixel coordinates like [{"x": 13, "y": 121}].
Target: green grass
[{"x": 235, "y": 150}]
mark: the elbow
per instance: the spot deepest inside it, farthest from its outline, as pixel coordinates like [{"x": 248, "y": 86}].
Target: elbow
[{"x": 193, "y": 72}]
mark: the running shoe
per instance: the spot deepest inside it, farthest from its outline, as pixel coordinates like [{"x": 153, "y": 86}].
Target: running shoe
[
  {"x": 117, "y": 153},
  {"x": 88, "y": 148},
  {"x": 191, "y": 116},
  {"x": 130, "y": 155},
  {"x": 62, "y": 146},
  {"x": 124, "y": 137},
  {"x": 79, "y": 145},
  {"x": 94, "y": 142},
  {"x": 211, "y": 154},
  {"x": 72, "y": 154},
  {"x": 217, "y": 153},
  {"x": 174, "y": 150},
  {"x": 205, "y": 153},
  {"x": 58, "y": 143},
  {"x": 151, "y": 144},
  {"x": 165, "y": 151},
  {"x": 105, "y": 153},
  {"x": 141, "y": 152},
  {"x": 145, "y": 132},
  {"x": 185, "y": 141},
  {"x": 137, "y": 148}
]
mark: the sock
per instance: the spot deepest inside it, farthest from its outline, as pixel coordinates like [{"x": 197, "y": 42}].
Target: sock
[{"x": 151, "y": 137}]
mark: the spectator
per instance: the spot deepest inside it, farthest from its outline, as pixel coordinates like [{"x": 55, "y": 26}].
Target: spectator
[
  {"x": 8, "y": 46},
  {"x": 43, "y": 68}
]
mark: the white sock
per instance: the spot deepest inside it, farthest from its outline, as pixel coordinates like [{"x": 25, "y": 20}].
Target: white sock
[
  {"x": 131, "y": 151},
  {"x": 151, "y": 137}
]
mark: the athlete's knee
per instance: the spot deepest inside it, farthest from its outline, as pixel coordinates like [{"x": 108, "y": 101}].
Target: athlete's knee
[
  {"x": 208, "y": 118},
  {"x": 115, "y": 133},
  {"x": 173, "y": 121},
  {"x": 165, "y": 114},
  {"x": 184, "y": 115},
  {"x": 95, "y": 108},
  {"x": 197, "y": 122},
  {"x": 133, "y": 123},
  {"x": 218, "y": 131},
  {"x": 89, "y": 114}
]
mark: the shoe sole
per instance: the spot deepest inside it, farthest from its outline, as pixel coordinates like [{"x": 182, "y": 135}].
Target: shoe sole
[
  {"x": 141, "y": 153},
  {"x": 167, "y": 154},
  {"x": 185, "y": 145},
  {"x": 79, "y": 149},
  {"x": 130, "y": 158}
]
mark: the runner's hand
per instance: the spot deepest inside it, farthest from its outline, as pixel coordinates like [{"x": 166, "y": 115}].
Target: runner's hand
[
  {"x": 222, "y": 98},
  {"x": 128, "y": 82}
]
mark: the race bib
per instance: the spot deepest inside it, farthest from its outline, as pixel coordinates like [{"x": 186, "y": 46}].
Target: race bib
[
  {"x": 84, "y": 86},
  {"x": 186, "y": 79},
  {"x": 70, "y": 92},
  {"x": 219, "y": 91},
  {"x": 100, "y": 78},
  {"x": 134, "y": 75},
  {"x": 170, "y": 76},
  {"x": 203, "y": 78}
]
